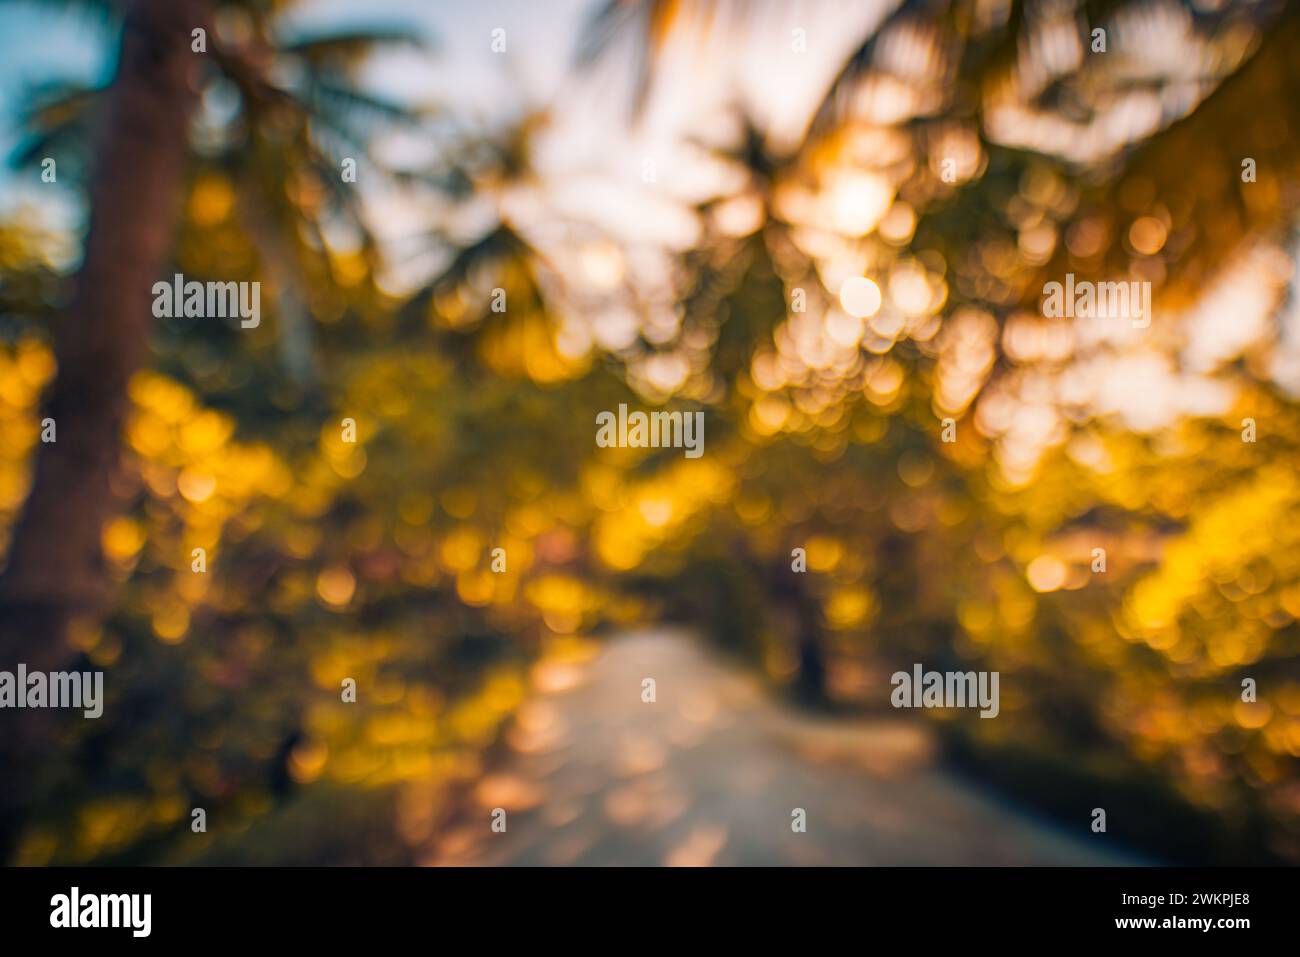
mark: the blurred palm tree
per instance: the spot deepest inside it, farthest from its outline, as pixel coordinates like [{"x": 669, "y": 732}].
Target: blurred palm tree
[
  {"x": 957, "y": 62},
  {"x": 497, "y": 296},
  {"x": 276, "y": 119}
]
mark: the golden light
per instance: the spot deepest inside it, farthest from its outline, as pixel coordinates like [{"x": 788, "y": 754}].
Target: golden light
[
  {"x": 842, "y": 329},
  {"x": 307, "y": 760},
  {"x": 1046, "y": 573},
  {"x": 899, "y": 223},
  {"x": 1037, "y": 243},
  {"x": 849, "y": 607},
  {"x": 739, "y": 215},
  {"x": 1147, "y": 235},
  {"x": 197, "y": 486},
  {"x": 602, "y": 263},
  {"x": 336, "y": 586},
  {"x": 857, "y": 202},
  {"x": 123, "y": 538},
  {"x": 171, "y": 622},
  {"x": 1254, "y": 714},
  {"x": 860, "y": 297},
  {"x": 909, "y": 288},
  {"x": 769, "y": 415},
  {"x": 211, "y": 200},
  {"x": 657, "y": 512}
]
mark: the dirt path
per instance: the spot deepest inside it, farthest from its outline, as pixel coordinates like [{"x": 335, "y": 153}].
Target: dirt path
[{"x": 711, "y": 772}]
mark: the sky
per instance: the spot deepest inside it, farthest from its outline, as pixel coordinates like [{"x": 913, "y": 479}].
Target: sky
[
  {"x": 459, "y": 72},
  {"x": 41, "y": 44}
]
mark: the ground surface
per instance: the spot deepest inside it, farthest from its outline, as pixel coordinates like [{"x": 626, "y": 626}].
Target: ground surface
[{"x": 711, "y": 772}]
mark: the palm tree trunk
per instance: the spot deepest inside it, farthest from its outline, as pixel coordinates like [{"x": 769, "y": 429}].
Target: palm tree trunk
[
  {"x": 55, "y": 572},
  {"x": 55, "y": 569}
]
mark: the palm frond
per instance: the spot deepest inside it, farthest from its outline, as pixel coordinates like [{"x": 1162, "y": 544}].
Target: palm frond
[
  {"x": 58, "y": 120},
  {"x": 331, "y": 100},
  {"x": 835, "y": 104},
  {"x": 498, "y": 245},
  {"x": 645, "y": 25},
  {"x": 345, "y": 50},
  {"x": 1262, "y": 86}
]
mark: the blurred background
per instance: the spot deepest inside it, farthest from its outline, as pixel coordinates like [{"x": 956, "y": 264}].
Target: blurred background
[{"x": 670, "y": 196}]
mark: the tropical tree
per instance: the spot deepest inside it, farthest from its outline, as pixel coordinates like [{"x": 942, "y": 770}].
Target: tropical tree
[
  {"x": 207, "y": 107},
  {"x": 276, "y": 153}
]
